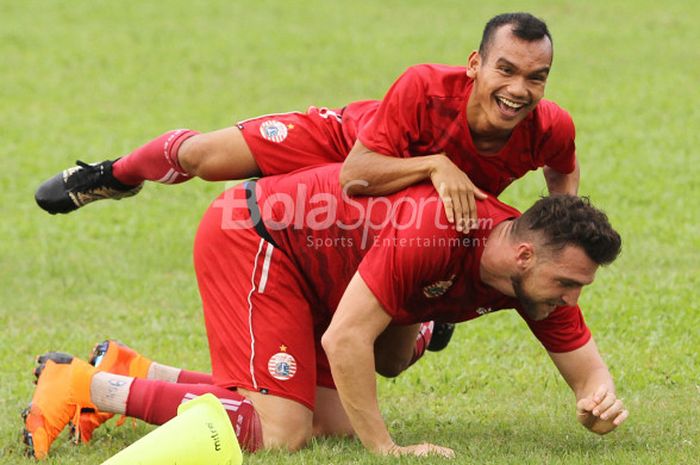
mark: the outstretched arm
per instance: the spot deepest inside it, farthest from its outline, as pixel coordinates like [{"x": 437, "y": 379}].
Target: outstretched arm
[
  {"x": 597, "y": 406},
  {"x": 349, "y": 345},
  {"x": 365, "y": 172}
]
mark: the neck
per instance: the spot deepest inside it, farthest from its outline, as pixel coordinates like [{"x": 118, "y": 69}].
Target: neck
[{"x": 496, "y": 265}]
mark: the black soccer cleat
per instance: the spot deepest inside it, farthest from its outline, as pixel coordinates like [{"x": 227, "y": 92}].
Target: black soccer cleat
[
  {"x": 442, "y": 333},
  {"x": 79, "y": 185}
]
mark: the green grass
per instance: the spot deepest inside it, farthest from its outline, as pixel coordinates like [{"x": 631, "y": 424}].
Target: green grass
[{"x": 92, "y": 80}]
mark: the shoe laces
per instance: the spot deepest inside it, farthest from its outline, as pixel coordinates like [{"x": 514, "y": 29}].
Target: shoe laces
[{"x": 87, "y": 176}]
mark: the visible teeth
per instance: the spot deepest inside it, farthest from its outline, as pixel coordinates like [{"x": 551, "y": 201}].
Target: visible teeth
[{"x": 510, "y": 103}]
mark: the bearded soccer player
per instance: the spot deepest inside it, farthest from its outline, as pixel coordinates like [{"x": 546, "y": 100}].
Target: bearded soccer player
[
  {"x": 306, "y": 291},
  {"x": 469, "y": 130}
]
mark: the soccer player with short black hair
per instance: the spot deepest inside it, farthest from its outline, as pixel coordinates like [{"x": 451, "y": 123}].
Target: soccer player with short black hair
[{"x": 470, "y": 130}]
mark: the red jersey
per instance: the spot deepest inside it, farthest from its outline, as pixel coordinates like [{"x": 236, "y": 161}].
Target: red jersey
[
  {"x": 425, "y": 112},
  {"x": 413, "y": 261}
]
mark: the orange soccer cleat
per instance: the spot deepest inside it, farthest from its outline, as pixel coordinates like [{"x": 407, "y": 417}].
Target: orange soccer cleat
[
  {"x": 62, "y": 391},
  {"x": 111, "y": 356},
  {"x": 114, "y": 357}
]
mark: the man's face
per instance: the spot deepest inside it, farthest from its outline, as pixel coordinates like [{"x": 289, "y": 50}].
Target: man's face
[
  {"x": 510, "y": 79},
  {"x": 552, "y": 281}
]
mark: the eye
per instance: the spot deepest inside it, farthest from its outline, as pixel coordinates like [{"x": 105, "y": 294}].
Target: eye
[
  {"x": 538, "y": 79},
  {"x": 505, "y": 70}
]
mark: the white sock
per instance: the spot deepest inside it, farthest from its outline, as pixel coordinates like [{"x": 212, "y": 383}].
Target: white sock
[
  {"x": 109, "y": 392},
  {"x": 163, "y": 372}
]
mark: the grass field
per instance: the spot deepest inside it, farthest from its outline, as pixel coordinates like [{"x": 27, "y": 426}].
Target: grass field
[{"x": 93, "y": 79}]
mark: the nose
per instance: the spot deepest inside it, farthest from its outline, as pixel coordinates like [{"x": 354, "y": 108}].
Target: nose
[
  {"x": 571, "y": 297},
  {"x": 517, "y": 87}
]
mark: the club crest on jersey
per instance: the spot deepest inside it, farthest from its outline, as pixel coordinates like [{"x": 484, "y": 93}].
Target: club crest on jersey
[
  {"x": 282, "y": 366},
  {"x": 274, "y": 131},
  {"x": 438, "y": 289}
]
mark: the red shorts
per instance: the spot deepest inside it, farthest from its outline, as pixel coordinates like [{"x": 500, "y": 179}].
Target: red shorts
[
  {"x": 284, "y": 142},
  {"x": 257, "y": 309}
]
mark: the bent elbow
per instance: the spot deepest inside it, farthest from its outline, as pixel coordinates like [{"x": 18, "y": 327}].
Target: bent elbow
[{"x": 329, "y": 342}]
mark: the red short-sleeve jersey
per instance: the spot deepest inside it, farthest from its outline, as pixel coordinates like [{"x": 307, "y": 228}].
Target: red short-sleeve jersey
[
  {"x": 424, "y": 112},
  {"x": 417, "y": 265}
]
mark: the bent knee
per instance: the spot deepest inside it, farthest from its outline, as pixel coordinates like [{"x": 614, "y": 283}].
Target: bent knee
[
  {"x": 391, "y": 368},
  {"x": 193, "y": 153},
  {"x": 218, "y": 156},
  {"x": 290, "y": 435}
]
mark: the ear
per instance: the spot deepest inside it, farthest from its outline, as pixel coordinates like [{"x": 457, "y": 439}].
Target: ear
[
  {"x": 473, "y": 64},
  {"x": 525, "y": 255}
]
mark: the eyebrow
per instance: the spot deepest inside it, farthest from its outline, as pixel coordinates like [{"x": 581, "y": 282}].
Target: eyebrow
[
  {"x": 568, "y": 281},
  {"x": 503, "y": 61}
]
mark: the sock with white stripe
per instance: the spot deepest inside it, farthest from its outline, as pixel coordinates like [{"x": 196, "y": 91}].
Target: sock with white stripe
[
  {"x": 177, "y": 375},
  {"x": 156, "y": 160},
  {"x": 157, "y": 401},
  {"x": 425, "y": 333}
]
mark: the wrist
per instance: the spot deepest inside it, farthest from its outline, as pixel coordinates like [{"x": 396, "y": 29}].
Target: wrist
[
  {"x": 387, "y": 448},
  {"x": 434, "y": 163}
]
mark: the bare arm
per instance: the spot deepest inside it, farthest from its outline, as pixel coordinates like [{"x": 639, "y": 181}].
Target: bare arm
[
  {"x": 349, "y": 345},
  {"x": 558, "y": 183},
  {"x": 370, "y": 173},
  {"x": 597, "y": 406}
]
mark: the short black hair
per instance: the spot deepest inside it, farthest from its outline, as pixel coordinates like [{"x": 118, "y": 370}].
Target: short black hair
[
  {"x": 524, "y": 26},
  {"x": 570, "y": 220}
]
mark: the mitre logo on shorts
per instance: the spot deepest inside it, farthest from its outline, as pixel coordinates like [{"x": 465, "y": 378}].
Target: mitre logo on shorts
[
  {"x": 273, "y": 130},
  {"x": 282, "y": 366},
  {"x": 439, "y": 288}
]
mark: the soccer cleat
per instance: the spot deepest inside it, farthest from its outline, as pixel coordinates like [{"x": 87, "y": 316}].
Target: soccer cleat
[
  {"x": 113, "y": 357},
  {"x": 62, "y": 391},
  {"x": 79, "y": 185},
  {"x": 442, "y": 333}
]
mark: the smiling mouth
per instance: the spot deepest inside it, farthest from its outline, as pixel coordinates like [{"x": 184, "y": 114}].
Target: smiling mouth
[{"x": 508, "y": 106}]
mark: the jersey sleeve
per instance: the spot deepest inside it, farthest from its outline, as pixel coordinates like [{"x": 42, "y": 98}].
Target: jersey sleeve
[
  {"x": 559, "y": 149},
  {"x": 563, "y": 330},
  {"x": 396, "y": 122},
  {"x": 400, "y": 263}
]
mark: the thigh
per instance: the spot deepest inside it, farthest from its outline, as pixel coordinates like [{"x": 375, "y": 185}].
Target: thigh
[
  {"x": 285, "y": 142},
  {"x": 218, "y": 155},
  {"x": 258, "y": 320},
  {"x": 329, "y": 417},
  {"x": 285, "y": 423}
]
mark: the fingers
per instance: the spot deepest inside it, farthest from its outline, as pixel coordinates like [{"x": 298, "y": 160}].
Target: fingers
[
  {"x": 613, "y": 411},
  {"x": 460, "y": 206},
  {"x": 603, "y": 404},
  {"x": 602, "y": 412},
  {"x": 423, "y": 450},
  {"x": 479, "y": 194},
  {"x": 447, "y": 202},
  {"x": 621, "y": 417},
  {"x": 473, "y": 215},
  {"x": 585, "y": 406},
  {"x": 459, "y": 203},
  {"x": 600, "y": 393}
]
